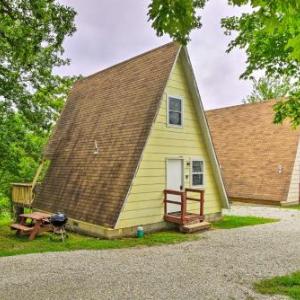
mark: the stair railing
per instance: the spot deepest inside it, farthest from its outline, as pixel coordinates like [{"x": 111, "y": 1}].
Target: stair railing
[{"x": 183, "y": 201}]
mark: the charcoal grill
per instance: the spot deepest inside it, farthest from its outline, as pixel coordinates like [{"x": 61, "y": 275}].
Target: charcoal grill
[{"x": 58, "y": 222}]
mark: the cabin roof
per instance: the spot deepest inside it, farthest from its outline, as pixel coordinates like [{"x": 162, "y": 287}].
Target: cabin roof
[{"x": 251, "y": 148}]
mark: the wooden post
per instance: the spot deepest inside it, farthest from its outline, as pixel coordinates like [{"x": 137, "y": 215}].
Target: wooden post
[
  {"x": 36, "y": 176},
  {"x": 35, "y": 230},
  {"x": 12, "y": 207},
  {"x": 183, "y": 206},
  {"x": 165, "y": 202},
  {"x": 201, "y": 203},
  {"x": 18, "y": 210}
]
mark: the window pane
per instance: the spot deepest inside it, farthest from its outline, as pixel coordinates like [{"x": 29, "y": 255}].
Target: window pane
[
  {"x": 175, "y": 104},
  {"x": 197, "y": 166},
  {"x": 175, "y": 118},
  {"x": 197, "y": 179}
]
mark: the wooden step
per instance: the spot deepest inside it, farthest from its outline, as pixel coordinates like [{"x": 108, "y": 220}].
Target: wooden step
[
  {"x": 193, "y": 227},
  {"x": 21, "y": 227}
]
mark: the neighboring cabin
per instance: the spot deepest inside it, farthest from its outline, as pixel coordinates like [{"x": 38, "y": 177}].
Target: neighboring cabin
[
  {"x": 259, "y": 160},
  {"x": 125, "y": 135}
]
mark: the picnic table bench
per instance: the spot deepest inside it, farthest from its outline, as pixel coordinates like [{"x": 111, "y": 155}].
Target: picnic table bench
[{"x": 39, "y": 222}]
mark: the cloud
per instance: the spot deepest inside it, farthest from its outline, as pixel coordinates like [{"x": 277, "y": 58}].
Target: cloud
[{"x": 111, "y": 31}]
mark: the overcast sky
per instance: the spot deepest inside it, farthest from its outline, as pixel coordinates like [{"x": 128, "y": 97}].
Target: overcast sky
[{"x": 109, "y": 31}]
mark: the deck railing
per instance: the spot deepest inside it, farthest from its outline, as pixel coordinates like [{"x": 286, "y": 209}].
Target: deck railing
[
  {"x": 22, "y": 194},
  {"x": 200, "y": 199},
  {"x": 183, "y": 216},
  {"x": 182, "y": 202}
]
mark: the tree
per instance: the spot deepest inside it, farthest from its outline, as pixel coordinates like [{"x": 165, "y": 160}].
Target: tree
[
  {"x": 17, "y": 146},
  {"x": 31, "y": 95},
  {"x": 20, "y": 151},
  {"x": 270, "y": 35},
  {"x": 268, "y": 88},
  {"x": 175, "y": 17},
  {"x": 31, "y": 37}
]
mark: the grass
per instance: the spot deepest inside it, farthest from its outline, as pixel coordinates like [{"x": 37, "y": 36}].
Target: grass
[
  {"x": 296, "y": 206},
  {"x": 10, "y": 244},
  {"x": 288, "y": 285},
  {"x": 229, "y": 222}
]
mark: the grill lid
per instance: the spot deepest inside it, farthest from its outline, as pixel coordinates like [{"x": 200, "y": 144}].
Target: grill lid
[{"x": 58, "y": 219}]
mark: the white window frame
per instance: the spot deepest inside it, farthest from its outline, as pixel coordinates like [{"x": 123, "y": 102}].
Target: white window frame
[
  {"x": 182, "y": 111},
  {"x": 191, "y": 172}
]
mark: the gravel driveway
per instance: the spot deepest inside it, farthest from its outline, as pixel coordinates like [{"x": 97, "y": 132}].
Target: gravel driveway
[{"x": 222, "y": 265}]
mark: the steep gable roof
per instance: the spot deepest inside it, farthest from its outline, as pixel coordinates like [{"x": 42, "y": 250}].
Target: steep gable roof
[
  {"x": 250, "y": 148},
  {"x": 115, "y": 108}
]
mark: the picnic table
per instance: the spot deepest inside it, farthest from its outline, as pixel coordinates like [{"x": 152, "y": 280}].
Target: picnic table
[{"x": 39, "y": 222}]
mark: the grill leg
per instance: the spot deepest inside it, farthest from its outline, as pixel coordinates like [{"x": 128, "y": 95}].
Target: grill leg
[{"x": 61, "y": 232}]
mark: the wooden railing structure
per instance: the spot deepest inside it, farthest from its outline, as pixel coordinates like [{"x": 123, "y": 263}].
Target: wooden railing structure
[
  {"x": 23, "y": 193},
  {"x": 183, "y": 216}
]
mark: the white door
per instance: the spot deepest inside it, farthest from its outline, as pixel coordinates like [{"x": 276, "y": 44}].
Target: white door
[{"x": 174, "y": 182}]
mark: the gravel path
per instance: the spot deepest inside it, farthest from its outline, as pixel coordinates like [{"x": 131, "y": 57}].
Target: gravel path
[
  {"x": 262, "y": 211},
  {"x": 222, "y": 265}
]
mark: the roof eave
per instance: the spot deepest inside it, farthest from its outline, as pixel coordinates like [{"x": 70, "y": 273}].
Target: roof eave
[{"x": 204, "y": 125}]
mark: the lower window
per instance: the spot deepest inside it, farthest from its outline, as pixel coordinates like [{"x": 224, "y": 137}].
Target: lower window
[{"x": 197, "y": 173}]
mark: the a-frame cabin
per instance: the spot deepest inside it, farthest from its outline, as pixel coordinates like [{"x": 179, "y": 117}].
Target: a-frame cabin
[{"x": 132, "y": 140}]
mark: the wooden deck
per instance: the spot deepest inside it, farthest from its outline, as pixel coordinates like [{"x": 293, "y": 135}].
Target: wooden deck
[{"x": 188, "y": 218}]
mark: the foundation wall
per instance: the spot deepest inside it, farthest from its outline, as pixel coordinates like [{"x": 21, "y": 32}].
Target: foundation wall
[{"x": 109, "y": 233}]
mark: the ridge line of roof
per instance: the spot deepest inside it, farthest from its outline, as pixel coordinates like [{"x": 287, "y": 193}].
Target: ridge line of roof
[
  {"x": 239, "y": 105},
  {"x": 126, "y": 61}
]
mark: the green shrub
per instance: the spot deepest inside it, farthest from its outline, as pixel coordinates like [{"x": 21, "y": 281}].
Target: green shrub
[{"x": 5, "y": 204}]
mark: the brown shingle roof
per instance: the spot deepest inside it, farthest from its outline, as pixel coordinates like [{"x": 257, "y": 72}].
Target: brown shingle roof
[
  {"x": 116, "y": 108},
  {"x": 250, "y": 148}
]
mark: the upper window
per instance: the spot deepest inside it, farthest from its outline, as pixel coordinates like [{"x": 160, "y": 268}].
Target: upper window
[
  {"x": 197, "y": 170},
  {"x": 175, "y": 111}
]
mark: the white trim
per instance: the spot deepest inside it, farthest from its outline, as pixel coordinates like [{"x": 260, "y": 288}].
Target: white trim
[
  {"x": 191, "y": 172},
  {"x": 182, "y": 111},
  {"x": 191, "y": 80},
  {"x": 293, "y": 191}
]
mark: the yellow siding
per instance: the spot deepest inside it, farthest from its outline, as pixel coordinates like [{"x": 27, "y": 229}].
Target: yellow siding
[{"x": 144, "y": 204}]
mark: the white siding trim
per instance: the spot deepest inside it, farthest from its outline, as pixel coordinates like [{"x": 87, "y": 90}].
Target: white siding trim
[
  {"x": 191, "y": 80},
  {"x": 293, "y": 193}
]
